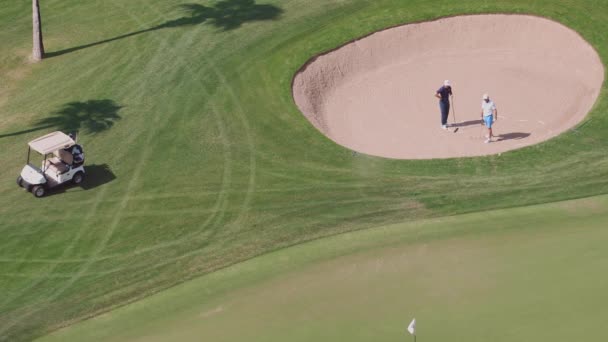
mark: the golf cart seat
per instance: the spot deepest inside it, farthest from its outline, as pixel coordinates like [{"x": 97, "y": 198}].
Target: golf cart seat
[
  {"x": 64, "y": 156},
  {"x": 58, "y": 164},
  {"x": 57, "y": 168}
]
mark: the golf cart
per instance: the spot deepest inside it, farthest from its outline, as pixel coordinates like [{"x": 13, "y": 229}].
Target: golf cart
[{"x": 58, "y": 164}]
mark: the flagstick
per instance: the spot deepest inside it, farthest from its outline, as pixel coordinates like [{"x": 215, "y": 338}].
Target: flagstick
[{"x": 412, "y": 328}]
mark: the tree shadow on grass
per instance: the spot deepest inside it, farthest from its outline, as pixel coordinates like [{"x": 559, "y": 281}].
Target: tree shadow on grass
[
  {"x": 225, "y": 14},
  {"x": 91, "y": 116}
]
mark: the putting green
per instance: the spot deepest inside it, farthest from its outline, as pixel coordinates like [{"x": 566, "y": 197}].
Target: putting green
[{"x": 533, "y": 274}]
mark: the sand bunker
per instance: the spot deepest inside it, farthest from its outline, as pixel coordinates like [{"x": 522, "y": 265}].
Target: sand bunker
[{"x": 376, "y": 95}]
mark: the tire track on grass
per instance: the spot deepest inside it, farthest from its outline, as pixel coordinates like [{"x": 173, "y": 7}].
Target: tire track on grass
[
  {"x": 250, "y": 141},
  {"x": 56, "y": 262},
  {"x": 157, "y": 122},
  {"x": 249, "y": 192},
  {"x": 244, "y": 206},
  {"x": 90, "y": 260},
  {"x": 88, "y": 217},
  {"x": 221, "y": 203},
  {"x": 220, "y": 207},
  {"x": 48, "y": 274},
  {"x": 92, "y": 89}
]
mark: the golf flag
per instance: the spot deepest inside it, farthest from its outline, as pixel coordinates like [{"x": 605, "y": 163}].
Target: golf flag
[{"x": 412, "y": 327}]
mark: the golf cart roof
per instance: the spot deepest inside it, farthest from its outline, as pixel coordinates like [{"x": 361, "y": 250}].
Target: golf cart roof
[{"x": 51, "y": 142}]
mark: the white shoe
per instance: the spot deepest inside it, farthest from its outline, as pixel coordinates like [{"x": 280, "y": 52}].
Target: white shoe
[
  {"x": 488, "y": 141},
  {"x": 444, "y": 127}
]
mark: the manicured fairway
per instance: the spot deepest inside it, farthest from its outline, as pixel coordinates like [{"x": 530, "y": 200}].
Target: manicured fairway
[
  {"x": 530, "y": 274},
  {"x": 197, "y": 157}
]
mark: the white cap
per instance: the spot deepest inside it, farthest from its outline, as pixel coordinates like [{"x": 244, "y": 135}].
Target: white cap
[
  {"x": 485, "y": 96},
  {"x": 447, "y": 83}
]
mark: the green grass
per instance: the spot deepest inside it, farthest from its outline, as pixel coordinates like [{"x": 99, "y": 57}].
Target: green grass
[
  {"x": 210, "y": 163},
  {"x": 528, "y": 274}
]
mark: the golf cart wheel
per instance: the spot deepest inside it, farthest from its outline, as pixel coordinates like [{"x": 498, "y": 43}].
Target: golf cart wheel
[
  {"x": 20, "y": 181},
  {"x": 78, "y": 178},
  {"x": 38, "y": 191}
]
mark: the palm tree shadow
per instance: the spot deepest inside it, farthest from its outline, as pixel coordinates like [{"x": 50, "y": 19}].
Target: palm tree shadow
[
  {"x": 225, "y": 14},
  {"x": 231, "y": 14},
  {"x": 91, "y": 116}
]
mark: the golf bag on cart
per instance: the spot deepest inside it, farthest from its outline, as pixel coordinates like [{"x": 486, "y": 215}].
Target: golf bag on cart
[{"x": 76, "y": 151}]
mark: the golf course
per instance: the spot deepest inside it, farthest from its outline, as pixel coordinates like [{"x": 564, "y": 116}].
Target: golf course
[{"x": 212, "y": 209}]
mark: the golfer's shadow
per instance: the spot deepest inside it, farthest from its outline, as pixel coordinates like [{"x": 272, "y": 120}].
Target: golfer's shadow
[
  {"x": 467, "y": 123},
  {"x": 512, "y": 136}
]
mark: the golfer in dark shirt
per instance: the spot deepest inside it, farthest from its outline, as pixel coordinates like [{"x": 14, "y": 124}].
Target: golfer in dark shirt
[{"x": 443, "y": 94}]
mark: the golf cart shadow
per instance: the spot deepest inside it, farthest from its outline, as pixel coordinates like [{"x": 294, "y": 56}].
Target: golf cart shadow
[{"x": 95, "y": 175}]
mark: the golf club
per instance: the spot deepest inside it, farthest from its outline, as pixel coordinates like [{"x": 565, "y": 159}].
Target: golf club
[{"x": 454, "y": 115}]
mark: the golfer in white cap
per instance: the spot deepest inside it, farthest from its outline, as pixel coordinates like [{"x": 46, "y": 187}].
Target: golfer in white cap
[
  {"x": 443, "y": 94},
  {"x": 489, "y": 114}
]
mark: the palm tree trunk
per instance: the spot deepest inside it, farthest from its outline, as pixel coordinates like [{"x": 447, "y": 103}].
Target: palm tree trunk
[{"x": 38, "y": 50}]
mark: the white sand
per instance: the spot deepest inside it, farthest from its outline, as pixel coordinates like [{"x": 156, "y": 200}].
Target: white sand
[{"x": 376, "y": 95}]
